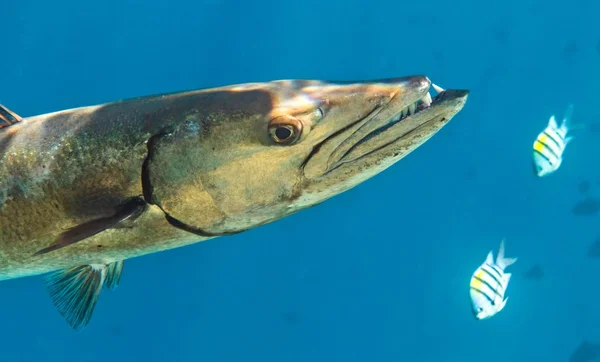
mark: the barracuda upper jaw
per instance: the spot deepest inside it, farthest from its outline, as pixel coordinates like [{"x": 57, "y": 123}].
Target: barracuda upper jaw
[{"x": 421, "y": 104}]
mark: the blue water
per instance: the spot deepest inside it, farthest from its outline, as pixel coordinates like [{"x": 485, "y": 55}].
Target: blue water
[{"x": 381, "y": 272}]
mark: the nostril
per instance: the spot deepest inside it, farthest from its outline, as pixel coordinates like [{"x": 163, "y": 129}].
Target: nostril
[
  {"x": 419, "y": 83},
  {"x": 424, "y": 83}
]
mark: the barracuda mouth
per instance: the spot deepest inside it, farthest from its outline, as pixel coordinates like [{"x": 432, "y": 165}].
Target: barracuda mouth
[
  {"x": 422, "y": 104},
  {"x": 388, "y": 132},
  {"x": 402, "y": 132}
]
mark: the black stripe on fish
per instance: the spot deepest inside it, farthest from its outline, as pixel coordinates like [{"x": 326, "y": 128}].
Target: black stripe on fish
[
  {"x": 558, "y": 134},
  {"x": 131, "y": 209},
  {"x": 542, "y": 155},
  {"x": 497, "y": 280},
  {"x": 495, "y": 269},
  {"x": 500, "y": 275},
  {"x": 549, "y": 149},
  {"x": 494, "y": 290},
  {"x": 484, "y": 294},
  {"x": 553, "y": 139},
  {"x": 8, "y": 117}
]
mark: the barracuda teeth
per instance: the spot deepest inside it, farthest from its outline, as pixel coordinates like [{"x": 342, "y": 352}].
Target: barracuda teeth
[
  {"x": 409, "y": 110},
  {"x": 437, "y": 88},
  {"x": 412, "y": 108},
  {"x": 426, "y": 99}
]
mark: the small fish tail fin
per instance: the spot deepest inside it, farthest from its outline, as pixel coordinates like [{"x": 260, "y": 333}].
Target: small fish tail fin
[
  {"x": 568, "y": 116},
  {"x": 501, "y": 260},
  {"x": 8, "y": 117},
  {"x": 568, "y": 125}
]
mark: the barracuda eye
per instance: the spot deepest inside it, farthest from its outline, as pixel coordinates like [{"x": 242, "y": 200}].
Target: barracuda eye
[{"x": 285, "y": 130}]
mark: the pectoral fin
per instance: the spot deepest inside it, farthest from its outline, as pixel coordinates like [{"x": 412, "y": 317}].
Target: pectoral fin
[
  {"x": 503, "y": 304},
  {"x": 74, "y": 292},
  {"x": 132, "y": 208},
  {"x": 8, "y": 117}
]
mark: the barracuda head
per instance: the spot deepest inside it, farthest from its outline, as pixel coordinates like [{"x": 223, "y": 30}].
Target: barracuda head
[{"x": 254, "y": 153}]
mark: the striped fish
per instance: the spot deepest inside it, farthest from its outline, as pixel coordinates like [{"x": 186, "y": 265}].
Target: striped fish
[
  {"x": 550, "y": 144},
  {"x": 489, "y": 283}
]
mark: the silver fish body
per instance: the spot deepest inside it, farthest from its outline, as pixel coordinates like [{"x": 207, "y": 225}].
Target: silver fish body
[
  {"x": 488, "y": 285},
  {"x": 550, "y": 144}
]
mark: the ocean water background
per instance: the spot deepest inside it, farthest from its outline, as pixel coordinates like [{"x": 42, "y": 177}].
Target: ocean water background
[{"x": 381, "y": 272}]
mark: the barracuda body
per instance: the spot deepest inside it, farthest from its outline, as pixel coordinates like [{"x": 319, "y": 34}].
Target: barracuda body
[{"x": 82, "y": 190}]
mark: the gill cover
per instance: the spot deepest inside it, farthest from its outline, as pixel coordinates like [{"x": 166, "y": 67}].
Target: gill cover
[{"x": 229, "y": 164}]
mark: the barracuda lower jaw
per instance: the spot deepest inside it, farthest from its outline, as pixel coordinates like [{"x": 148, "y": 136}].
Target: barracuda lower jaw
[{"x": 419, "y": 105}]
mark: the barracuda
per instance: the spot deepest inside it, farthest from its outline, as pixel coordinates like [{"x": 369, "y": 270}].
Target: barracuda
[{"x": 82, "y": 190}]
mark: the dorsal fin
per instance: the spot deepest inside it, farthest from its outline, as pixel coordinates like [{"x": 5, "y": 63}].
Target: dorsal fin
[
  {"x": 8, "y": 117},
  {"x": 490, "y": 258}
]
